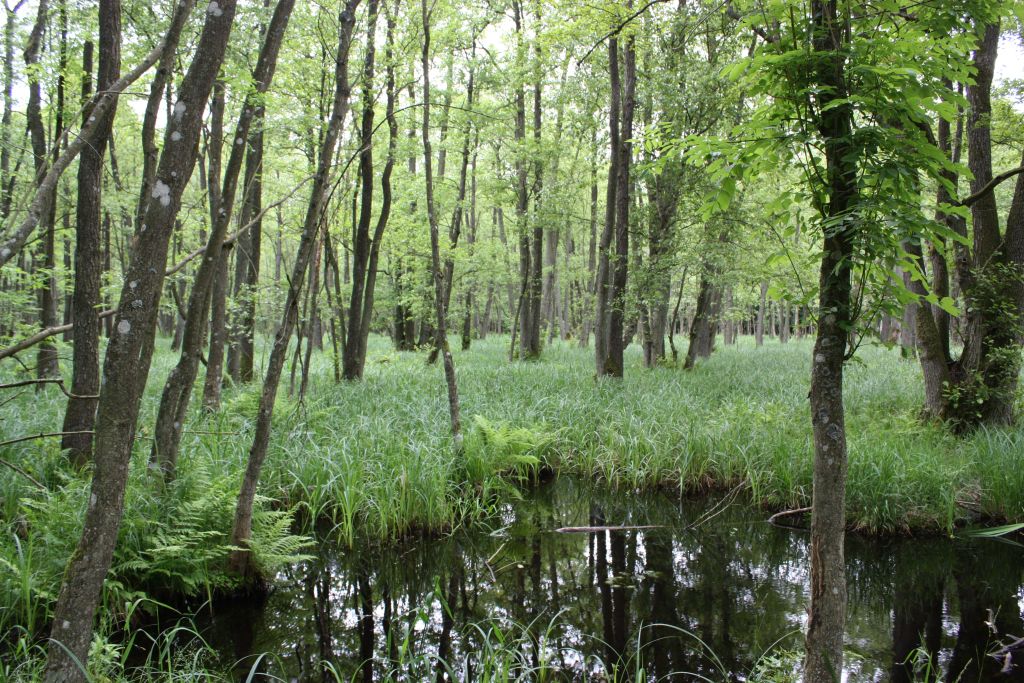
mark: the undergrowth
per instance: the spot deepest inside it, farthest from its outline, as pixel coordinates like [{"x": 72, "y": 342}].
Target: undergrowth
[{"x": 374, "y": 460}]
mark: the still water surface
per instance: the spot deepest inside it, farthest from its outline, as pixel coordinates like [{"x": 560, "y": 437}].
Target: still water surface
[{"x": 707, "y": 592}]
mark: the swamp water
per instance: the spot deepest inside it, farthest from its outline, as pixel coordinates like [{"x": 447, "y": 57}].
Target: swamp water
[{"x": 705, "y": 593}]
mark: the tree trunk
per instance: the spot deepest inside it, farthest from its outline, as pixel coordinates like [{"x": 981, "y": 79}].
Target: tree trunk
[
  {"x": 759, "y": 329},
  {"x": 312, "y": 300},
  {"x": 534, "y": 297},
  {"x": 603, "y": 284},
  {"x": 85, "y": 377},
  {"x": 240, "y": 560},
  {"x": 354, "y": 352},
  {"x": 616, "y": 320},
  {"x": 161, "y": 79},
  {"x": 7, "y": 178},
  {"x": 177, "y": 391},
  {"x": 704, "y": 327},
  {"x": 218, "y": 335},
  {"x": 827, "y": 613},
  {"x": 242, "y": 352},
  {"x": 47, "y": 363},
  {"x": 128, "y": 358},
  {"x": 435, "y": 255}
]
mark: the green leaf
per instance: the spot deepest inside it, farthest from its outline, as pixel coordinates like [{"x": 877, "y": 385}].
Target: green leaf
[{"x": 993, "y": 532}]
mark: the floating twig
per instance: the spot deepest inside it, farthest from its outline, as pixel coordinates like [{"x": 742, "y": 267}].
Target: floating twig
[
  {"x": 598, "y": 529},
  {"x": 787, "y": 513}
]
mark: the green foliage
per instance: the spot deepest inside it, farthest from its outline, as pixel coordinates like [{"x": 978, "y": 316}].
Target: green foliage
[{"x": 496, "y": 449}]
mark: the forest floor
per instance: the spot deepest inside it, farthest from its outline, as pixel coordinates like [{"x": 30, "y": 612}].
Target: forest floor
[{"x": 374, "y": 459}]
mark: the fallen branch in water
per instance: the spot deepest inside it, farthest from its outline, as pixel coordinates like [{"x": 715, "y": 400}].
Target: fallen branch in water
[
  {"x": 597, "y": 529},
  {"x": 787, "y": 513}
]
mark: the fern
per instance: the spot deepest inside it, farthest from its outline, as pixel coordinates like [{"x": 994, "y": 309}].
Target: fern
[
  {"x": 273, "y": 545},
  {"x": 499, "y": 449}
]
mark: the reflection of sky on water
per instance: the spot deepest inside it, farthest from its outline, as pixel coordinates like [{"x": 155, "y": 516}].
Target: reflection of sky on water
[{"x": 735, "y": 583}]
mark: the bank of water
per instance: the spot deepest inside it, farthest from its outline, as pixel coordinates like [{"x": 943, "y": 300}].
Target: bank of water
[{"x": 709, "y": 589}]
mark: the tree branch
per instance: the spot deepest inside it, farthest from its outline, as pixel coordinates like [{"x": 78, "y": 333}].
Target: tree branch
[
  {"x": 44, "y": 192},
  {"x": 22, "y": 472},
  {"x": 990, "y": 186},
  {"x": 57, "y": 381},
  {"x": 45, "y": 334}
]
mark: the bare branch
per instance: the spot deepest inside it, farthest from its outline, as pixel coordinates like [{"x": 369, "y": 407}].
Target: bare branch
[
  {"x": 22, "y": 472},
  {"x": 45, "y": 334},
  {"x": 41, "y": 435},
  {"x": 990, "y": 186}
]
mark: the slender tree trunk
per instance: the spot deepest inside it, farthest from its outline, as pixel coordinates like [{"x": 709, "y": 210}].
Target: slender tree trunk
[
  {"x": 46, "y": 362},
  {"x": 128, "y": 358},
  {"x": 218, "y": 335},
  {"x": 312, "y": 299},
  {"x": 7, "y": 178},
  {"x": 467, "y": 322},
  {"x": 242, "y": 353},
  {"x": 353, "y": 354},
  {"x": 603, "y": 284},
  {"x": 623, "y": 197},
  {"x": 704, "y": 327},
  {"x": 435, "y": 251},
  {"x": 534, "y": 299},
  {"x": 827, "y": 613},
  {"x": 85, "y": 378},
  {"x": 522, "y": 323},
  {"x": 591, "y": 281},
  {"x": 161, "y": 79},
  {"x": 177, "y": 392},
  {"x": 367, "y": 249},
  {"x": 240, "y": 560},
  {"x": 759, "y": 329}
]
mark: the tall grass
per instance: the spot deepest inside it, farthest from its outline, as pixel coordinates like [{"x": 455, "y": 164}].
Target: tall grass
[{"x": 374, "y": 461}]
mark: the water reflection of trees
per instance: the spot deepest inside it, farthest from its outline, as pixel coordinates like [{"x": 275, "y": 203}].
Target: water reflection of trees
[{"x": 708, "y": 600}]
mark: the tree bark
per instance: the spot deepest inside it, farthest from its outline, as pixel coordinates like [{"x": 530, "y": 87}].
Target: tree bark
[
  {"x": 85, "y": 376},
  {"x": 759, "y": 328},
  {"x": 614, "y": 365},
  {"x": 827, "y": 614},
  {"x": 704, "y": 327},
  {"x": 603, "y": 284},
  {"x": 242, "y": 352},
  {"x": 128, "y": 358},
  {"x": 366, "y": 249},
  {"x": 218, "y": 335}
]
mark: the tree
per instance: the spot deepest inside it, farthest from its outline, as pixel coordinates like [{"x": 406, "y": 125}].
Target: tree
[
  {"x": 614, "y": 248},
  {"x": 85, "y": 379},
  {"x": 980, "y": 386},
  {"x": 128, "y": 357},
  {"x": 177, "y": 392},
  {"x": 241, "y": 561},
  {"x": 435, "y": 252}
]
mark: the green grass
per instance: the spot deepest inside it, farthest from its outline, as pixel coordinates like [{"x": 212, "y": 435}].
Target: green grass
[{"x": 374, "y": 460}]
